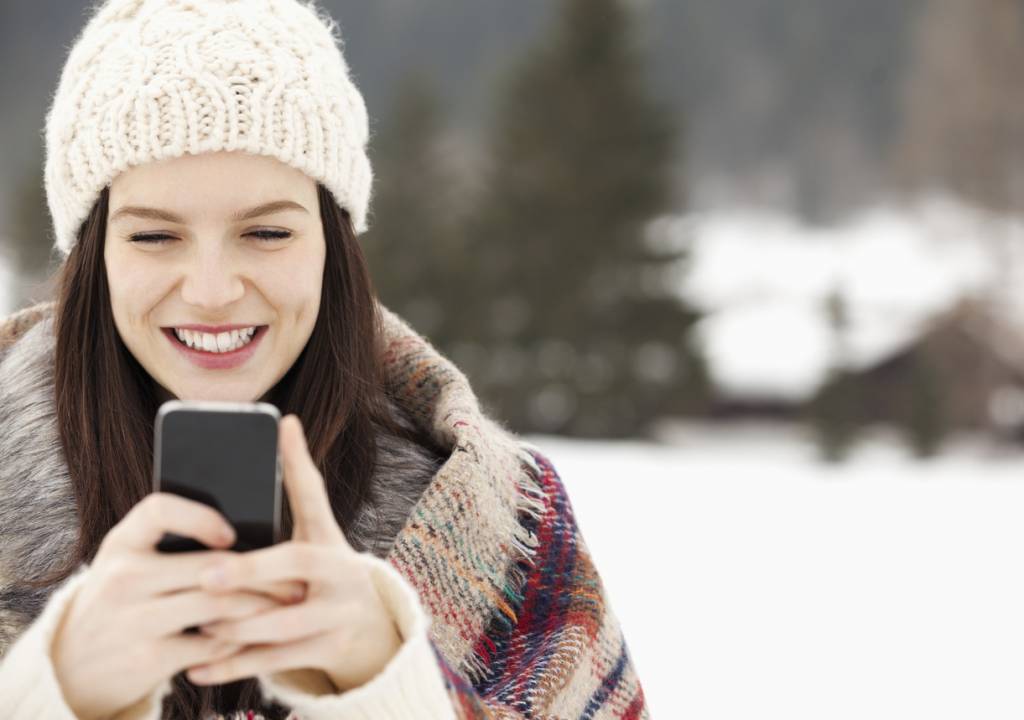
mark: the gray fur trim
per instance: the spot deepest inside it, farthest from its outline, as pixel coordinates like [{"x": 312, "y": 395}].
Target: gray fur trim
[{"x": 38, "y": 522}]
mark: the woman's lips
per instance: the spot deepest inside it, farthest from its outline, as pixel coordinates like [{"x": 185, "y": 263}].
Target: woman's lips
[{"x": 217, "y": 361}]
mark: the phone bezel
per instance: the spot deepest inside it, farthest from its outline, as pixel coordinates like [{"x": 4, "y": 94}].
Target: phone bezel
[{"x": 177, "y": 405}]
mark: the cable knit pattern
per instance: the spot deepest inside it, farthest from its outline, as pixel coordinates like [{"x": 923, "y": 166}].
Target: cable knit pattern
[
  {"x": 500, "y": 608},
  {"x": 154, "y": 79}
]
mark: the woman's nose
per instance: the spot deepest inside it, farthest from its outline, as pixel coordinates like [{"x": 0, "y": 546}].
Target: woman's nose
[{"x": 211, "y": 283}]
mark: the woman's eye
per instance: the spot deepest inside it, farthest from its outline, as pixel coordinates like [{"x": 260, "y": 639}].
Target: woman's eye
[
  {"x": 271, "y": 234},
  {"x": 155, "y": 239},
  {"x": 261, "y": 234}
]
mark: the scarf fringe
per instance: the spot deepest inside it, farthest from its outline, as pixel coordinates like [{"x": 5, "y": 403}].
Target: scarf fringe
[{"x": 530, "y": 501}]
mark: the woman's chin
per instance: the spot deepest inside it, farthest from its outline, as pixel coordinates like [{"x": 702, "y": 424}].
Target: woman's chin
[{"x": 215, "y": 392}]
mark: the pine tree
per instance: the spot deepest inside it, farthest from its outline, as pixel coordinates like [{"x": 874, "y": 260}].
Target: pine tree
[
  {"x": 582, "y": 333},
  {"x": 29, "y": 252},
  {"x": 963, "y": 119},
  {"x": 963, "y": 132},
  {"x": 836, "y": 413},
  {"x": 924, "y": 419},
  {"x": 410, "y": 246}
]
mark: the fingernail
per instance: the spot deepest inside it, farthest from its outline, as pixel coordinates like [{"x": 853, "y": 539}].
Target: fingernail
[{"x": 298, "y": 594}]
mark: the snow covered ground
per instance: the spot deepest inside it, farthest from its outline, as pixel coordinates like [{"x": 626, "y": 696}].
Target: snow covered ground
[{"x": 753, "y": 581}]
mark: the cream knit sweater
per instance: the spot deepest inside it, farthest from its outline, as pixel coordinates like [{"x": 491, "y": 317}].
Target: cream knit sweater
[{"x": 410, "y": 686}]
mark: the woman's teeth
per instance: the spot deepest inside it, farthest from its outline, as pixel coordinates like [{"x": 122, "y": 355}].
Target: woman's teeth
[{"x": 219, "y": 343}]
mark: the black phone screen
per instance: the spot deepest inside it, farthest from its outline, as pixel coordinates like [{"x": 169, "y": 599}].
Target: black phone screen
[{"x": 225, "y": 458}]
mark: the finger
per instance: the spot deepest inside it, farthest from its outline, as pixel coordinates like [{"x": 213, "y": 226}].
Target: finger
[
  {"x": 180, "y": 652},
  {"x": 287, "y": 561},
  {"x": 170, "y": 614},
  {"x": 251, "y": 661},
  {"x": 283, "y": 591},
  {"x": 307, "y": 496},
  {"x": 152, "y": 574},
  {"x": 160, "y": 512},
  {"x": 282, "y": 624}
]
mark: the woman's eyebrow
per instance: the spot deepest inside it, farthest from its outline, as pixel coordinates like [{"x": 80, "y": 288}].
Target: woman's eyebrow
[{"x": 167, "y": 216}]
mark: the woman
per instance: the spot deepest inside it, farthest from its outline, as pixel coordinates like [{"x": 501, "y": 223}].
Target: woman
[{"x": 206, "y": 166}]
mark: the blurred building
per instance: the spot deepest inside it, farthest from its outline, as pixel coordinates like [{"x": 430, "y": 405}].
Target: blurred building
[
  {"x": 975, "y": 364},
  {"x": 931, "y": 312}
]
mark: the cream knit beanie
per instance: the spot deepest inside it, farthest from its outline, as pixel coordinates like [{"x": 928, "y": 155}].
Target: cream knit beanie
[{"x": 154, "y": 79}]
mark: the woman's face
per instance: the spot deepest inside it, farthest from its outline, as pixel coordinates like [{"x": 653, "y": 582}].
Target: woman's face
[{"x": 193, "y": 258}]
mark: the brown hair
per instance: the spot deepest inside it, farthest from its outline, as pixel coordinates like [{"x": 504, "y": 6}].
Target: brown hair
[{"x": 106, "y": 405}]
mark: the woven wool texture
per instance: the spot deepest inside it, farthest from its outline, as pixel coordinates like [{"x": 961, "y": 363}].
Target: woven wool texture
[
  {"x": 520, "y": 623},
  {"x": 153, "y": 79}
]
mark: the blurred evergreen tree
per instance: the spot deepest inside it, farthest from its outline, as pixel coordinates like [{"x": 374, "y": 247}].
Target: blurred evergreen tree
[
  {"x": 574, "y": 323},
  {"x": 835, "y": 412},
  {"x": 963, "y": 103},
  {"x": 924, "y": 419},
  {"x": 834, "y": 415},
  {"x": 29, "y": 250},
  {"x": 963, "y": 118},
  {"x": 411, "y": 244}
]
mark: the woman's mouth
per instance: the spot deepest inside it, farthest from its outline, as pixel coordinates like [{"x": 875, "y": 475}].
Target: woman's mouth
[{"x": 215, "y": 360}]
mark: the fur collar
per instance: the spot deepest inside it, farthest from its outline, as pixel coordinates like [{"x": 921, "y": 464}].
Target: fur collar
[{"x": 440, "y": 519}]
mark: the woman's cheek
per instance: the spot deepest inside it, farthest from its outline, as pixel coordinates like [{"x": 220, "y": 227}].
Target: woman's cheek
[
  {"x": 144, "y": 289},
  {"x": 293, "y": 279}
]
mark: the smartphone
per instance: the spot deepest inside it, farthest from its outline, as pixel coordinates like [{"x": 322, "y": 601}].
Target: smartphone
[{"x": 224, "y": 454}]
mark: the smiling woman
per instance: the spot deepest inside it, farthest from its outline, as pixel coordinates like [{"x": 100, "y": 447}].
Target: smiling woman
[
  {"x": 119, "y": 308},
  {"x": 211, "y": 269},
  {"x": 433, "y": 567}
]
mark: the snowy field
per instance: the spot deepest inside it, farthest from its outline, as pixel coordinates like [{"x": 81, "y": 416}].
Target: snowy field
[{"x": 752, "y": 581}]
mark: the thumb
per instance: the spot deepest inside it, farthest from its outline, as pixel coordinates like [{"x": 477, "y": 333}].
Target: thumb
[{"x": 307, "y": 494}]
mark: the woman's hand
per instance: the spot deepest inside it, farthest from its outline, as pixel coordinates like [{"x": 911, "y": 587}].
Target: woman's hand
[
  {"x": 342, "y": 627},
  {"x": 121, "y": 634}
]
